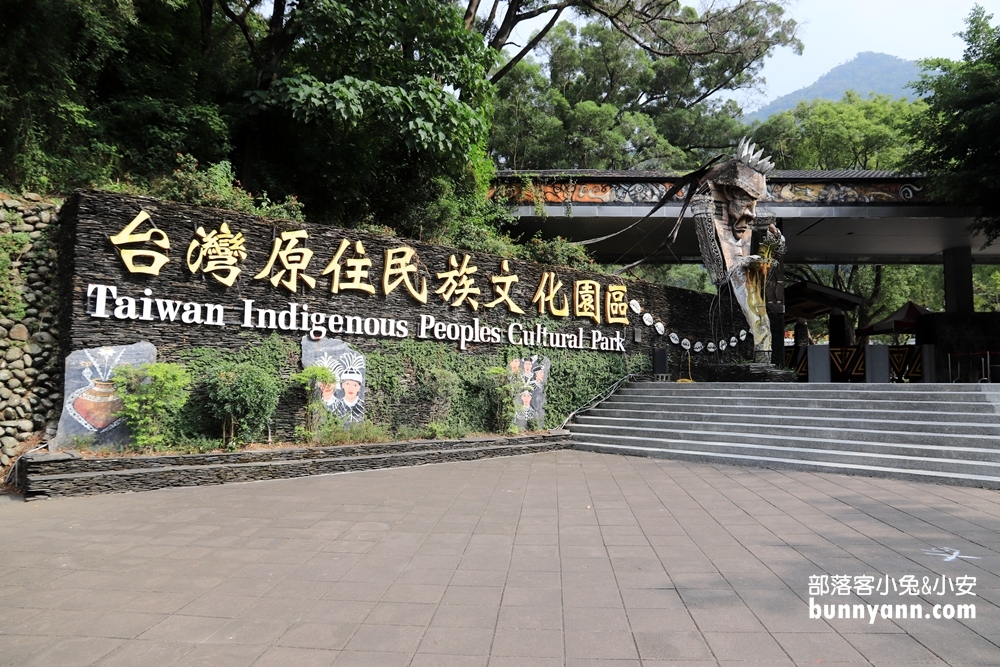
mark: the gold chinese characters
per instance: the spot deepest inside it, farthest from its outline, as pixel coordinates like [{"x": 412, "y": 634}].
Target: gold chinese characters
[{"x": 222, "y": 252}]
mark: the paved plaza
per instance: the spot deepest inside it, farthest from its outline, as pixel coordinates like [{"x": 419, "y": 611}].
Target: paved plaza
[{"x": 562, "y": 558}]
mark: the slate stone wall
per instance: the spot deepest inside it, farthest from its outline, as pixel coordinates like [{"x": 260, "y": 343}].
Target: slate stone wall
[
  {"x": 91, "y": 259},
  {"x": 66, "y": 474},
  {"x": 70, "y": 249}
]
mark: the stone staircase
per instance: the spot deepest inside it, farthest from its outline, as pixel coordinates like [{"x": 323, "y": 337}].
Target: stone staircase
[{"x": 947, "y": 433}]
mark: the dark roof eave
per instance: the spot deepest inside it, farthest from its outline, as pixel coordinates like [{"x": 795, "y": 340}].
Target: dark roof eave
[{"x": 597, "y": 175}]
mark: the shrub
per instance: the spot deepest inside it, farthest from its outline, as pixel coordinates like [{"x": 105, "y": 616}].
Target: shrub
[
  {"x": 244, "y": 397},
  {"x": 311, "y": 378},
  {"x": 334, "y": 431},
  {"x": 152, "y": 396}
]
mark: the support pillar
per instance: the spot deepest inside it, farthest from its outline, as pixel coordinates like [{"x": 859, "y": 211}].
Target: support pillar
[
  {"x": 838, "y": 328},
  {"x": 958, "y": 280},
  {"x": 774, "y": 296}
]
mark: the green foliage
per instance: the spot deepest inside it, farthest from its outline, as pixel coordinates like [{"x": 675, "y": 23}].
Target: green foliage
[
  {"x": 119, "y": 88},
  {"x": 274, "y": 356},
  {"x": 854, "y": 133},
  {"x": 609, "y": 100},
  {"x": 986, "y": 288},
  {"x": 374, "y": 97},
  {"x": 557, "y": 252},
  {"x": 883, "y": 289},
  {"x": 686, "y": 276},
  {"x": 217, "y": 186},
  {"x": 244, "y": 397},
  {"x": 481, "y": 399},
  {"x": 311, "y": 379},
  {"x": 866, "y": 73},
  {"x": 11, "y": 303},
  {"x": 959, "y": 135},
  {"x": 152, "y": 396},
  {"x": 333, "y": 431}
]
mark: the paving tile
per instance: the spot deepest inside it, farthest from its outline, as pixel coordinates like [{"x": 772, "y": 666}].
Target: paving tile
[
  {"x": 161, "y": 654},
  {"x": 606, "y": 645},
  {"x": 221, "y": 655},
  {"x": 898, "y": 648},
  {"x": 457, "y": 641},
  {"x": 220, "y": 606},
  {"x": 609, "y": 559},
  {"x": 818, "y": 648},
  {"x": 386, "y": 638},
  {"x": 671, "y": 646},
  {"x": 528, "y": 643},
  {"x": 328, "y": 636},
  {"x": 14, "y": 647},
  {"x": 753, "y": 646},
  {"x": 72, "y": 652}
]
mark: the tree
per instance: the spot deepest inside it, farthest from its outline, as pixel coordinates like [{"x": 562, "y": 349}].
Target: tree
[
  {"x": 375, "y": 96},
  {"x": 959, "y": 135},
  {"x": 723, "y": 45},
  {"x": 118, "y": 87},
  {"x": 602, "y": 102},
  {"x": 854, "y": 133},
  {"x": 883, "y": 289}
]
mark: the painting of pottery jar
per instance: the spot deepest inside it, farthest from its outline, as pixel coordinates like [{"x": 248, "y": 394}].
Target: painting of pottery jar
[
  {"x": 91, "y": 407},
  {"x": 99, "y": 405}
]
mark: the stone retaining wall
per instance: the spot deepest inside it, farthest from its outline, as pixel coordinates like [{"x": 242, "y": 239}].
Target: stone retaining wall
[
  {"x": 65, "y": 473},
  {"x": 30, "y": 363}
]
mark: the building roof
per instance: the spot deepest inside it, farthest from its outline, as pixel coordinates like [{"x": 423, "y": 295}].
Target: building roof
[{"x": 637, "y": 175}]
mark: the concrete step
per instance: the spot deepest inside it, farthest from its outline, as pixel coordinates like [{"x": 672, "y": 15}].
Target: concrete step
[
  {"x": 870, "y": 410},
  {"x": 892, "y": 457},
  {"x": 697, "y": 454},
  {"x": 915, "y": 387},
  {"x": 839, "y": 431},
  {"x": 955, "y": 425},
  {"x": 846, "y": 442},
  {"x": 848, "y": 403},
  {"x": 944, "y": 433},
  {"x": 769, "y": 393}
]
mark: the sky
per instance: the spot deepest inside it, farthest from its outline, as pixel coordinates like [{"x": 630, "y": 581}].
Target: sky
[{"x": 834, "y": 31}]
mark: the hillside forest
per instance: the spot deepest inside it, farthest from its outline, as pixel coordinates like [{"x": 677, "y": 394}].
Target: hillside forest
[{"x": 394, "y": 115}]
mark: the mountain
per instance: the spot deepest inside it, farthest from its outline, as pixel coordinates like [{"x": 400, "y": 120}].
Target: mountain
[{"x": 867, "y": 73}]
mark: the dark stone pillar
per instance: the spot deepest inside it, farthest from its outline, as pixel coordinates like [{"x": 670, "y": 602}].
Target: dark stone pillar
[
  {"x": 958, "y": 280},
  {"x": 838, "y": 329}
]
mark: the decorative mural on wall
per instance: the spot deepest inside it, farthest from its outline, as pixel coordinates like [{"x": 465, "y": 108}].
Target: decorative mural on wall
[
  {"x": 90, "y": 404},
  {"x": 867, "y": 191},
  {"x": 527, "y": 378},
  {"x": 345, "y": 398}
]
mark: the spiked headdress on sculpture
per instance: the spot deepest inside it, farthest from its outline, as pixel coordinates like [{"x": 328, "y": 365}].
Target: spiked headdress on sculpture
[{"x": 745, "y": 170}]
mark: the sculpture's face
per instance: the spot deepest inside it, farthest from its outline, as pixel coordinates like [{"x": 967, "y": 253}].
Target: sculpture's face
[{"x": 742, "y": 211}]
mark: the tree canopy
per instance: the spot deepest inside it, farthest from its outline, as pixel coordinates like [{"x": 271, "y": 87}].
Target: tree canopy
[
  {"x": 854, "y": 133},
  {"x": 600, "y": 101},
  {"x": 959, "y": 136}
]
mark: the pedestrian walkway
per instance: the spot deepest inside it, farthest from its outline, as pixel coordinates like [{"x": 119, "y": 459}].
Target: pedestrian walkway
[{"x": 559, "y": 558}]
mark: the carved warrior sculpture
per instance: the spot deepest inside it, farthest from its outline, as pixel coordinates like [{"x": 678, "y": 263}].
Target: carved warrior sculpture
[{"x": 724, "y": 204}]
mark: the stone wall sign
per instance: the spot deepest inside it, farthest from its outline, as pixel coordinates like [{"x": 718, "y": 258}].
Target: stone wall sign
[{"x": 90, "y": 404}]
